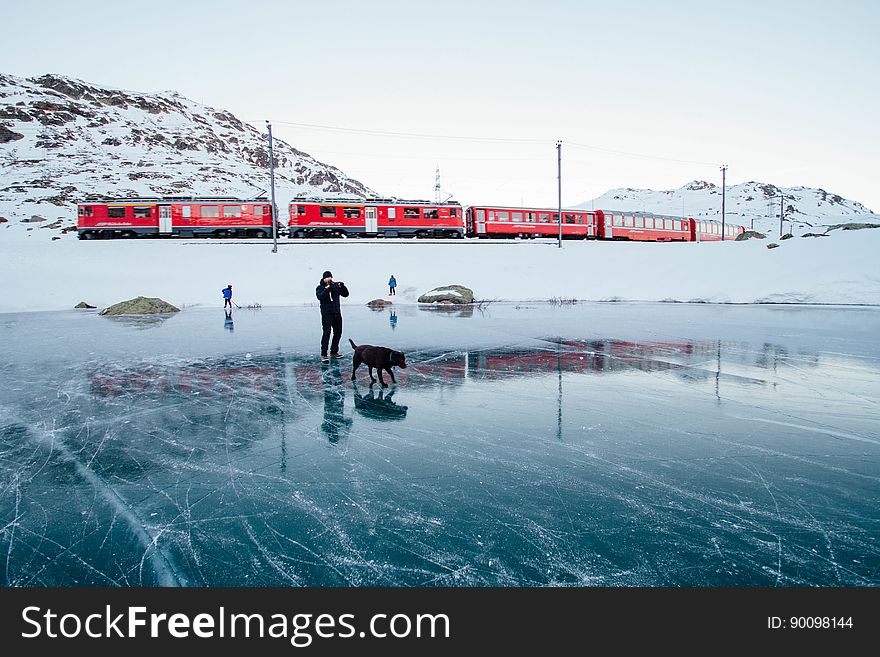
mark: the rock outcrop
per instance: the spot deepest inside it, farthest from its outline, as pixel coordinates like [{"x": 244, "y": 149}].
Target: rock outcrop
[
  {"x": 449, "y": 294},
  {"x": 140, "y": 306}
]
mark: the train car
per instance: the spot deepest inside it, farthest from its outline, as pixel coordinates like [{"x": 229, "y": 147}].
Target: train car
[
  {"x": 703, "y": 230},
  {"x": 171, "y": 216},
  {"x": 374, "y": 218},
  {"x": 494, "y": 221},
  {"x": 642, "y": 226}
]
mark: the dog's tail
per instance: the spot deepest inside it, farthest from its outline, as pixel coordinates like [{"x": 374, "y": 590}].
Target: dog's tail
[{"x": 353, "y": 345}]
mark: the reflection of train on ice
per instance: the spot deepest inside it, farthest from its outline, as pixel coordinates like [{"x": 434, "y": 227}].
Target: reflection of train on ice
[
  {"x": 245, "y": 218},
  {"x": 568, "y": 356}
]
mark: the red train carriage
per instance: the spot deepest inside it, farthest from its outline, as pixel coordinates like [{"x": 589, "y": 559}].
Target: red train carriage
[
  {"x": 710, "y": 231},
  {"x": 640, "y": 226},
  {"x": 191, "y": 217},
  {"x": 374, "y": 217},
  {"x": 492, "y": 221}
]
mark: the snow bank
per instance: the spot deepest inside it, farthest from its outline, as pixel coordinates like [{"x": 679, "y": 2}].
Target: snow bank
[{"x": 40, "y": 274}]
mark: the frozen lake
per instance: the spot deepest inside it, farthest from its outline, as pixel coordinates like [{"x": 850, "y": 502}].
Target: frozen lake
[{"x": 593, "y": 444}]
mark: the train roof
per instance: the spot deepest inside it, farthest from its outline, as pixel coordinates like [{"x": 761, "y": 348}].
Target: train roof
[
  {"x": 521, "y": 208},
  {"x": 370, "y": 200},
  {"x": 175, "y": 199}
]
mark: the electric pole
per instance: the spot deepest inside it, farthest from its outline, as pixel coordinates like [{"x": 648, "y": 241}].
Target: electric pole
[
  {"x": 272, "y": 185},
  {"x": 723, "y": 196},
  {"x": 781, "y": 213},
  {"x": 437, "y": 187},
  {"x": 559, "y": 173}
]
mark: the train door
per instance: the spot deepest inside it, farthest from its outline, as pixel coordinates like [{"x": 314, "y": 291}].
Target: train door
[
  {"x": 608, "y": 222},
  {"x": 371, "y": 225},
  {"x": 164, "y": 219},
  {"x": 480, "y": 221}
]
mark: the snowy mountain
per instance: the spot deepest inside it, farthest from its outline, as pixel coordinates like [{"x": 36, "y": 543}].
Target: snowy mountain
[
  {"x": 804, "y": 207},
  {"x": 62, "y": 140}
]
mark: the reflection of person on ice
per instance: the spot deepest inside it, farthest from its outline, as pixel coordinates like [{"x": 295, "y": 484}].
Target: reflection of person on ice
[
  {"x": 227, "y": 296},
  {"x": 328, "y": 293},
  {"x": 392, "y": 286}
]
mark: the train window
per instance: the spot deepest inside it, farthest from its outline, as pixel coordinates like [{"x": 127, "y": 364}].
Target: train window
[
  {"x": 676, "y": 224},
  {"x": 301, "y": 209},
  {"x": 431, "y": 213},
  {"x": 231, "y": 211},
  {"x": 186, "y": 210},
  {"x": 544, "y": 217},
  {"x": 453, "y": 212},
  {"x": 351, "y": 213},
  {"x": 502, "y": 215},
  {"x": 410, "y": 213},
  {"x": 116, "y": 213},
  {"x": 517, "y": 216},
  {"x": 618, "y": 221},
  {"x": 209, "y": 211},
  {"x": 481, "y": 215},
  {"x": 531, "y": 216},
  {"x": 569, "y": 218},
  {"x": 392, "y": 213},
  {"x": 86, "y": 211},
  {"x": 328, "y": 212},
  {"x": 628, "y": 221},
  {"x": 554, "y": 218},
  {"x": 667, "y": 224},
  {"x": 639, "y": 222},
  {"x": 142, "y": 212}
]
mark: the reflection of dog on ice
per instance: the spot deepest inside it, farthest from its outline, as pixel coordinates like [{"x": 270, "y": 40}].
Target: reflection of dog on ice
[{"x": 378, "y": 405}]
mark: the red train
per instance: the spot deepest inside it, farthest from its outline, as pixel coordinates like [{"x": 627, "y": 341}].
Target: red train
[
  {"x": 374, "y": 217},
  {"x": 395, "y": 218},
  {"x": 232, "y": 217},
  {"x": 179, "y": 217}
]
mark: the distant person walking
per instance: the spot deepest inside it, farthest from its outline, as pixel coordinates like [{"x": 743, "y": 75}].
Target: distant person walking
[
  {"x": 227, "y": 296},
  {"x": 329, "y": 292},
  {"x": 392, "y": 286}
]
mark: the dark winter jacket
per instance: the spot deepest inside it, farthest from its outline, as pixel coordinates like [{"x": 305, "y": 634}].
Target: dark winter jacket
[
  {"x": 329, "y": 297},
  {"x": 227, "y": 293}
]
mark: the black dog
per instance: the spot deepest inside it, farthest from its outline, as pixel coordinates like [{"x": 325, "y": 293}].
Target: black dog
[{"x": 382, "y": 358}]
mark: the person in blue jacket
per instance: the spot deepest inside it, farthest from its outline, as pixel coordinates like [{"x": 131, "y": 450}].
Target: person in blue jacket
[
  {"x": 392, "y": 286},
  {"x": 227, "y": 296},
  {"x": 329, "y": 293}
]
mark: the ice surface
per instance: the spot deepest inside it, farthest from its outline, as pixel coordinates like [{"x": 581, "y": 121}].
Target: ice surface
[{"x": 594, "y": 444}]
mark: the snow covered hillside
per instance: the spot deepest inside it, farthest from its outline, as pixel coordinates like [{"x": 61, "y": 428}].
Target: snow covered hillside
[
  {"x": 62, "y": 140},
  {"x": 805, "y": 208}
]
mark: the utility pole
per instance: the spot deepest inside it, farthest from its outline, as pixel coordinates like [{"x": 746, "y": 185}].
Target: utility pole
[
  {"x": 272, "y": 185},
  {"x": 437, "y": 187},
  {"x": 781, "y": 213},
  {"x": 559, "y": 173},
  {"x": 723, "y": 195}
]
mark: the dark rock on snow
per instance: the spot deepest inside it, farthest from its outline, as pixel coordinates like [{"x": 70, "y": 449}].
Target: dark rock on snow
[
  {"x": 454, "y": 294},
  {"x": 140, "y": 306}
]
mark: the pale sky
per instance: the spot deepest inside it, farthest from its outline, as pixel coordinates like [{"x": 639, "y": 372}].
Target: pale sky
[{"x": 642, "y": 94}]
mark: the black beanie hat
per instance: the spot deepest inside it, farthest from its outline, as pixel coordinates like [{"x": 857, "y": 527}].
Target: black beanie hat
[{"x": 326, "y": 274}]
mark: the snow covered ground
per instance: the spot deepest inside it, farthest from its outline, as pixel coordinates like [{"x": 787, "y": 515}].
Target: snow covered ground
[{"x": 42, "y": 274}]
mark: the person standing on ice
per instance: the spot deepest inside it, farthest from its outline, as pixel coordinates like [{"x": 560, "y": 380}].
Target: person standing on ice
[
  {"x": 227, "y": 296},
  {"x": 392, "y": 286},
  {"x": 329, "y": 293}
]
